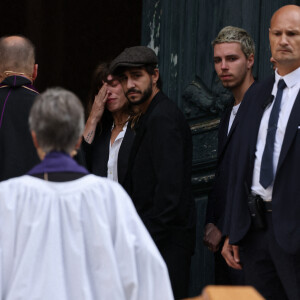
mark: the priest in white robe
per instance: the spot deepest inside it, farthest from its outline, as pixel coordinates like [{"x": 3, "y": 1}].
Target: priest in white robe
[{"x": 69, "y": 235}]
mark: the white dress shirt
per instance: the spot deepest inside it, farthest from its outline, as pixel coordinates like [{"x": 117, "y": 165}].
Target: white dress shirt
[
  {"x": 76, "y": 240},
  {"x": 288, "y": 99},
  {"x": 234, "y": 111},
  {"x": 112, "y": 164}
]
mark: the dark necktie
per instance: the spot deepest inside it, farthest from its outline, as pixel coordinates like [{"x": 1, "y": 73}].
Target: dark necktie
[{"x": 266, "y": 169}]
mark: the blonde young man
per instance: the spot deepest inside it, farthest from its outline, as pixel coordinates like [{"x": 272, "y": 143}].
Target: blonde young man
[{"x": 234, "y": 51}]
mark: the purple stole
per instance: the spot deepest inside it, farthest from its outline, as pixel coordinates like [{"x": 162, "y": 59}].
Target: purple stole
[{"x": 57, "y": 162}]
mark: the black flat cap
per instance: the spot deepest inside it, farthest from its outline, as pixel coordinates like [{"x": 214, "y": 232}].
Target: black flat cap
[{"x": 134, "y": 57}]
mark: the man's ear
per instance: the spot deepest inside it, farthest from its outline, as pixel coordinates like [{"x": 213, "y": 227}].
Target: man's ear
[
  {"x": 250, "y": 61},
  {"x": 35, "y": 72},
  {"x": 155, "y": 76},
  {"x": 34, "y": 139},
  {"x": 39, "y": 150},
  {"x": 77, "y": 146}
]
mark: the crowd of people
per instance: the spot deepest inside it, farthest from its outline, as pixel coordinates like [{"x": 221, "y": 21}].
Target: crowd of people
[
  {"x": 73, "y": 235},
  {"x": 68, "y": 232}
]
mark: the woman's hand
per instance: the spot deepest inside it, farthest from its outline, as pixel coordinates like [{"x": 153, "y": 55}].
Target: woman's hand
[
  {"x": 99, "y": 104},
  {"x": 95, "y": 114}
]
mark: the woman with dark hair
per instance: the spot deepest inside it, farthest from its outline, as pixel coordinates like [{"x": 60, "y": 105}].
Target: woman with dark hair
[{"x": 108, "y": 133}]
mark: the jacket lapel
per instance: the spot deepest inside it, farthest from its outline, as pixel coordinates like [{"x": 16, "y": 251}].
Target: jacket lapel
[
  {"x": 124, "y": 152},
  {"x": 260, "y": 102},
  {"x": 222, "y": 136},
  {"x": 242, "y": 108},
  {"x": 232, "y": 129},
  {"x": 140, "y": 130},
  {"x": 101, "y": 153},
  {"x": 291, "y": 130}
]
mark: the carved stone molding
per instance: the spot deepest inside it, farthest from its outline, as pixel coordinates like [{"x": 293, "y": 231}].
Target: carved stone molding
[{"x": 201, "y": 103}]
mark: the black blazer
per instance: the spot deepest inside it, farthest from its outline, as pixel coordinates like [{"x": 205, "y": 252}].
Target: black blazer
[
  {"x": 286, "y": 191},
  {"x": 17, "y": 152},
  {"x": 97, "y": 154},
  {"x": 226, "y": 159},
  {"x": 159, "y": 173},
  {"x": 216, "y": 201}
]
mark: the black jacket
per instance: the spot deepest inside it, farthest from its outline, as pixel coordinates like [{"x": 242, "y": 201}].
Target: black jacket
[
  {"x": 226, "y": 162},
  {"x": 97, "y": 153},
  {"x": 159, "y": 173},
  {"x": 17, "y": 152},
  {"x": 286, "y": 192}
]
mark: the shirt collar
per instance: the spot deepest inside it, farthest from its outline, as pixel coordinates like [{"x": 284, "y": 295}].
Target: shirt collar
[
  {"x": 122, "y": 133},
  {"x": 290, "y": 79}
]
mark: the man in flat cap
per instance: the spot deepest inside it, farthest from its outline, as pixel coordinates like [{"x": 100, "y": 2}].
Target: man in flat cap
[{"x": 159, "y": 169}]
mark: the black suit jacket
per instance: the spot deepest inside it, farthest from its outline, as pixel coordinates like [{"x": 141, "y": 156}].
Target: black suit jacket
[
  {"x": 226, "y": 159},
  {"x": 97, "y": 154},
  {"x": 159, "y": 173},
  {"x": 286, "y": 191},
  {"x": 215, "y": 202},
  {"x": 17, "y": 152}
]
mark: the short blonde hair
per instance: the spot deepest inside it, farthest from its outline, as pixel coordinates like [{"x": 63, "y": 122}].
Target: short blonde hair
[{"x": 231, "y": 34}]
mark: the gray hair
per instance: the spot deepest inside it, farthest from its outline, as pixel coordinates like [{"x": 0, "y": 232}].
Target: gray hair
[
  {"x": 17, "y": 53},
  {"x": 57, "y": 118},
  {"x": 231, "y": 34}
]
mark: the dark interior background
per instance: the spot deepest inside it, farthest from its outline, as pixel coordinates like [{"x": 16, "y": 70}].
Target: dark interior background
[{"x": 72, "y": 38}]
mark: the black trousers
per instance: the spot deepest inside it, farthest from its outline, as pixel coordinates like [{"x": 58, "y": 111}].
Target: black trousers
[
  {"x": 272, "y": 271},
  {"x": 178, "y": 261}
]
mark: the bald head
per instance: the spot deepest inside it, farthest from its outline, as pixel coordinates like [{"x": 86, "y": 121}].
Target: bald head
[
  {"x": 284, "y": 35},
  {"x": 17, "y": 54},
  {"x": 285, "y": 12}
]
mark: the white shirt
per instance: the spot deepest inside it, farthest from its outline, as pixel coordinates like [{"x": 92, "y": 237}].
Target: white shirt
[
  {"x": 75, "y": 240},
  {"x": 234, "y": 111},
  {"x": 288, "y": 99},
  {"x": 112, "y": 164}
]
